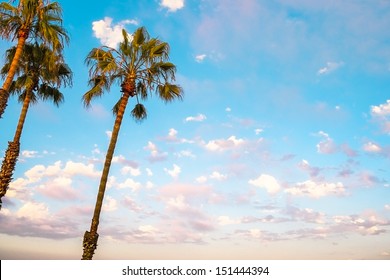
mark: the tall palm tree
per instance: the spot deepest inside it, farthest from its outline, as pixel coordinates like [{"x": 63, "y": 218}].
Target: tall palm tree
[
  {"x": 140, "y": 65},
  {"x": 36, "y": 19},
  {"x": 40, "y": 73}
]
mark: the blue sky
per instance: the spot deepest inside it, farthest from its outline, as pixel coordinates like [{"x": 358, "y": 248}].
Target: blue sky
[{"x": 279, "y": 149}]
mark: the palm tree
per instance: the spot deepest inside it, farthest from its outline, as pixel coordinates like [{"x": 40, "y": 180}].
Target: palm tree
[
  {"x": 140, "y": 65},
  {"x": 37, "y": 19},
  {"x": 40, "y": 73}
]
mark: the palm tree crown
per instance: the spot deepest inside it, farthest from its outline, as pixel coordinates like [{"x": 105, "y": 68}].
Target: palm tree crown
[
  {"x": 140, "y": 65},
  {"x": 40, "y": 73},
  {"x": 36, "y": 19}
]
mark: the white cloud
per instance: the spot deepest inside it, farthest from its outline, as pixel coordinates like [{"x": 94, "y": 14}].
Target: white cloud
[
  {"x": 267, "y": 182},
  {"x": 200, "y": 57},
  {"x": 77, "y": 168},
  {"x": 185, "y": 153},
  {"x": 130, "y": 170},
  {"x": 29, "y": 154},
  {"x": 326, "y": 146},
  {"x": 177, "y": 202},
  {"x": 381, "y": 110},
  {"x": 381, "y": 114},
  {"x": 226, "y": 220},
  {"x": 201, "y": 179},
  {"x": 258, "y": 131},
  {"x": 149, "y": 172},
  {"x": 371, "y": 147},
  {"x": 174, "y": 172},
  {"x": 387, "y": 207},
  {"x": 228, "y": 109},
  {"x": 222, "y": 144},
  {"x": 198, "y": 118},
  {"x": 218, "y": 176},
  {"x": 33, "y": 211},
  {"x": 155, "y": 154},
  {"x": 148, "y": 229},
  {"x": 172, "y": 5},
  {"x": 109, "y": 133},
  {"x": 330, "y": 67},
  {"x": 131, "y": 184},
  {"x": 110, "y": 35},
  {"x": 316, "y": 189},
  {"x": 110, "y": 204}
]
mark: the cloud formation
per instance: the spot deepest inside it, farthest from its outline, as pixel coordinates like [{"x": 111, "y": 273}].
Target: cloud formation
[
  {"x": 267, "y": 182},
  {"x": 330, "y": 67},
  {"x": 172, "y": 5},
  {"x": 198, "y": 118},
  {"x": 108, "y": 33}
]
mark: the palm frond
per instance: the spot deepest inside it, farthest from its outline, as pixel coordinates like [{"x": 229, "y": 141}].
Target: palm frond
[
  {"x": 47, "y": 92},
  {"x": 139, "y": 112},
  {"x": 169, "y": 92}
]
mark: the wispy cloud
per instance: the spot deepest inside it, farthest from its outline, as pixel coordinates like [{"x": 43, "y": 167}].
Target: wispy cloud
[
  {"x": 317, "y": 189},
  {"x": 200, "y": 57},
  {"x": 197, "y": 118},
  {"x": 155, "y": 154},
  {"x": 330, "y": 67}
]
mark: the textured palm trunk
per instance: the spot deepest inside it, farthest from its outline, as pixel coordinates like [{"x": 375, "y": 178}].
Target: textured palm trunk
[
  {"x": 91, "y": 237},
  {"x": 4, "y": 91},
  {"x": 12, "y": 152}
]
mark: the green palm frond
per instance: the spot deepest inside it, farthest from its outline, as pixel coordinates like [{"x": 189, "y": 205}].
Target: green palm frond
[
  {"x": 43, "y": 22},
  {"x": 40, "y": 71},
  {"x": 139, "y": 112},
  {"x": 99, "y": 84},
  {"x": 47, "y": 92},
  {"x": 140, "y": 66},
  {"x": 168, "y": 92}
]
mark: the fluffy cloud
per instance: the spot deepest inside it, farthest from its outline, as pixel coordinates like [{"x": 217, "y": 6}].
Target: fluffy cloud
[
  {"x": 172, "y": 5},
  {"x": 371, "y": 147},
  {"x": 155, "y": 154},
  {"x": 330, "y": 67},
  {"x": 226, "y": 220},
  {"x": 110, "y": 35},
  {"x": 218, "y": 176},
  {"x": 131, "y": 184},
  {"x": 29, "y": 154},
  {"x": 174, "y": 172},
  {"x": 365, "y": 224},
  {"x": 54, "y": 181},
  {"x": 327, "y": 145},
  {"x": 130, "y": 170},
  {"x": 59, "y": 188},
  {"x": 77, "y": 168},
  {"x": 316, "y": 189},
  {"x": 268, "y": 182},
  {"x": 381, "y": 110},
  {"x": 381, "y": 114},
  {"x": 220, "y": 145},
  {"x": 110, "y": 204}
]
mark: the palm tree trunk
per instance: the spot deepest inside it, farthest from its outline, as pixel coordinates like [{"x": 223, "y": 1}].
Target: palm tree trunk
[
  {"x": 4, "y": 91},
  {"x": 12, "y": 153},
  {"x": 91, "y": 237}
]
